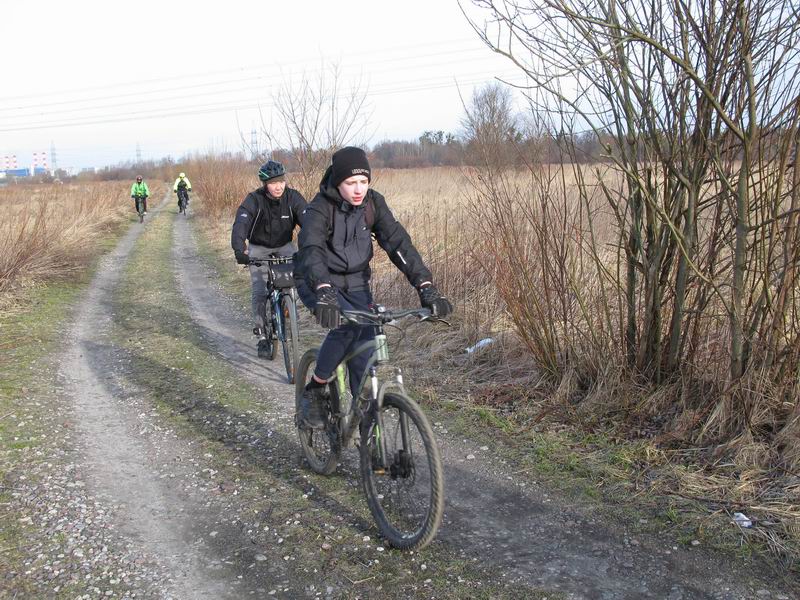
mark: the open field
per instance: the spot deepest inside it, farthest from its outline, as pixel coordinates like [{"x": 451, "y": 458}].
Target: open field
[{"x": 52, "y": 231}]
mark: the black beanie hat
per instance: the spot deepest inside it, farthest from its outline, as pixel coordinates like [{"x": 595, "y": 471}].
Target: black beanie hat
[{"x": 347, "y": 162}]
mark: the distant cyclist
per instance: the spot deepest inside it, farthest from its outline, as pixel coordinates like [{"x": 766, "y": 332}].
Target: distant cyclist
[
  {"x": 182, "y": 187},
  {"x": 139, "y": 193},
  {"x": 266, "y": 221}
]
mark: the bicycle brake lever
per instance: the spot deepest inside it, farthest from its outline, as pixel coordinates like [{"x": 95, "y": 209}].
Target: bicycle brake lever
[{"x": 435, "y": 319}]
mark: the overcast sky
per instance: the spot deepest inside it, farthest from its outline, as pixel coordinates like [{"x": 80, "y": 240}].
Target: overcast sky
[{"x": 95, "y": 79}]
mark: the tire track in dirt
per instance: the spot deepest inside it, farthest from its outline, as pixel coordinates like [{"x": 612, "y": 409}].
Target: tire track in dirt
[
  {"x": 521, "y": 530},
  {"x": 130, "y": 462}
]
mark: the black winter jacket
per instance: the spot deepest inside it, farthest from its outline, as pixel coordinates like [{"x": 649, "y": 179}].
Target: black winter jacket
[
  {"x": 339, "y": 252},
  {"x": 266, "y": 221}
]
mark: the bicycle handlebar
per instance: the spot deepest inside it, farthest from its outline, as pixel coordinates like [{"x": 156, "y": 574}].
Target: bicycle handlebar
[
  {"x": 257, "y": 262},
  {"x": 387, "y": 316}
]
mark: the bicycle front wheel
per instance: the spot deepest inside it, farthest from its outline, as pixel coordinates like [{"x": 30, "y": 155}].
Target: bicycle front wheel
[
  {"x": 406, "y": 492},
  {"x": 291, "y": 335},
  {"x": 320, "y": 446},
  {"x": 273, "y": 333}
]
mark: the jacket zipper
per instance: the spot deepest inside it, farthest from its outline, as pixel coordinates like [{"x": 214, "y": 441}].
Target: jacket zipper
[{"x": 253, "y": 228}]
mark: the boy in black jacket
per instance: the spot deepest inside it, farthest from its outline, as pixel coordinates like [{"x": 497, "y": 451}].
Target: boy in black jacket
[
  {"x": 266, "y": 221},
  {"x": 335, "y": 250}
]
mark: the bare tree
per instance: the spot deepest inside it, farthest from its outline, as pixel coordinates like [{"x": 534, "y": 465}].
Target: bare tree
[
  {"x": 314, "y": 118},
  {"x": 490, "y": 126},
  {"x": 699, "y": 100}
]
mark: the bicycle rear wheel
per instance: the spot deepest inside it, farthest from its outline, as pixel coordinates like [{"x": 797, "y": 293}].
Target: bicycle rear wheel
[
  {"x": 320, "y": 446},
  {"x": 291, "y": 335},
  {"x": 406, "y": 498}
]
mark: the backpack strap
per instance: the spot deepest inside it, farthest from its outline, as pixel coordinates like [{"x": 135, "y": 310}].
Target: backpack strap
[{"x": 369, "y": 212}]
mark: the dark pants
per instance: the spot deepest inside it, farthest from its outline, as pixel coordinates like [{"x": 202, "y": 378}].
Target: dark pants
[
  {"x": 144, "y": 201},
  {"x": 182, "y": 193},
  {"x": 344, "y": 339}
]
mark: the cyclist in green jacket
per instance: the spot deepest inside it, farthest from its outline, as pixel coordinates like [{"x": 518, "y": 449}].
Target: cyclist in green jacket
[
  {"x": 139, "y": 193},
  {"x": 182, "y": 187}
]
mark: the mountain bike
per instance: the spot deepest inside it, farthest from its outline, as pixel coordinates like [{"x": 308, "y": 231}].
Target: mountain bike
[
  {"x": 401, "y": 470},
  {"x": 282, "y": 301},
  {"x": 140, "y": 208},
  {"x": 183, "y": 200}
]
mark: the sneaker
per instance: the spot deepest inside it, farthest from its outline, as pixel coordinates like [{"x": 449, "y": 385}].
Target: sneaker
[
  {"x": 264, "y": 348},
  {"x": 312, "y": 413}
]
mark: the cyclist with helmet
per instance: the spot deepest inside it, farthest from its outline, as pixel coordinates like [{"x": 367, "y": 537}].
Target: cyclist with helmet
[
  {"x": 265, "y": 222},
  {"x": 139, "y": 193},
  {"x": 182, "y": 187},
  {"x": 335, "y": 252}
]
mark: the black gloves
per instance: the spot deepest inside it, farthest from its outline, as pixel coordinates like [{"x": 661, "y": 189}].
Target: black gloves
[
  {"x": 430, "y": 298},
  {"x": 327, "y": 309},
  {"x": 241, "y": 257}
]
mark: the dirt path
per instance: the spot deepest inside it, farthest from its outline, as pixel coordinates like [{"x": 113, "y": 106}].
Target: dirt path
[
  {"x": 520, "y": 531},
  {"x": 182, "y": 479},
  {"x": 133, "y": 464}
]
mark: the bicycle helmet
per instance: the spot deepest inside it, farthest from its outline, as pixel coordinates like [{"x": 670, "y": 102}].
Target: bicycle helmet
[
  {"x": 182, "y": 175},
  {"x": 270, "y": 170},
  {"x": 138, "y": 179}
]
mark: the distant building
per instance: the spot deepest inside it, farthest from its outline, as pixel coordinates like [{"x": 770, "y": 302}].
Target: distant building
[{"x": 17, "y": 172}]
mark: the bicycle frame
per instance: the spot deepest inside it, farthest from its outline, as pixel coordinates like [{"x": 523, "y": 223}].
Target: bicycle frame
[
  {"x": 275, "y": 297},
  {"x": 379, "y": 354}
]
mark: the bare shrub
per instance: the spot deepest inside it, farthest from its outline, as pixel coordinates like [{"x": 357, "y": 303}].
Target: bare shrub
[
  {"x": 680, "y": 250},
  {"x": 700, "y": 182},
  {"x": 50, "y": 231},
  {"x": 222, "y": 182}
]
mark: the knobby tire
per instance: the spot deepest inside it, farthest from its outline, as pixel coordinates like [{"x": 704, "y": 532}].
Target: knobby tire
[
  {"x": 405, "y": 523},
  {"x": 291, "y": 336},
  {"x": 320, "y": 446}
]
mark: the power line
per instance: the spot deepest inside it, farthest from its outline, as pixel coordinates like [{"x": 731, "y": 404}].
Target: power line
[
  {"x": 272, "y": 80},
  {"x": 448, "y": 43},
  {"x": 254, "y": 103}
]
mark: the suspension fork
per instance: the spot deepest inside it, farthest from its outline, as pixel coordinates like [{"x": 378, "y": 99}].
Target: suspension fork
[
  {"x": 377, "y": 402},
  {"x": 275, "y": 303},
  {"x": 403, "y": 416}
]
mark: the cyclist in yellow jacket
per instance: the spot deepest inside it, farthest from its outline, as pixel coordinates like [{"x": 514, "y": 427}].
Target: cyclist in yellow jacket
[{"x": 182, "y": 187}]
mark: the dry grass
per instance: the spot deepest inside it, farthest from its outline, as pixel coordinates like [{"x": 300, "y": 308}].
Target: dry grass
[
  {"x": 51, "y": 231},
  {"x": 449, "y": 215}
]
